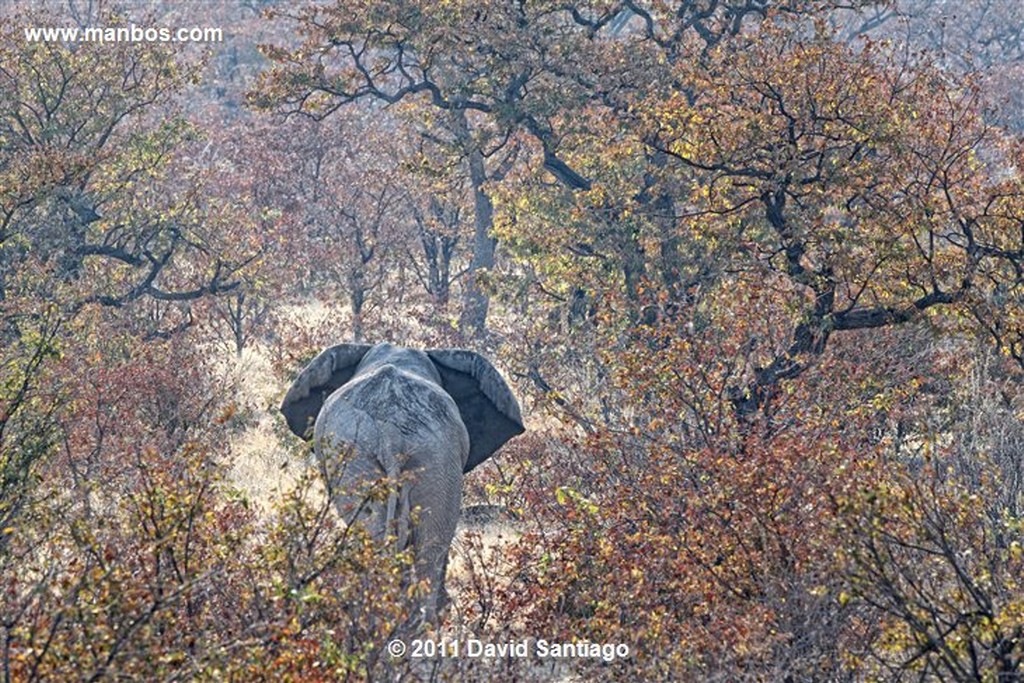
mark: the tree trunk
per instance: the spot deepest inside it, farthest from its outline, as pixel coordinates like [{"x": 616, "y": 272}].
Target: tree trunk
[
  {"x": 357, "y": 299},
  {"x": 236, "y": 314},
  {"x": 473, "y": 320}
]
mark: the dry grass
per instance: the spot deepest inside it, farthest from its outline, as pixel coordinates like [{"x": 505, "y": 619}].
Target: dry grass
[
  {"x": 264, "y": 459},
  {"x": 261, "y": 464}
]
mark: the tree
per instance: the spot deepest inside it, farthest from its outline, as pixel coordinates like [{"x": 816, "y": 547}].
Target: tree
[
  {"x": 343, "y": 202},
  {"x": 97, "y": 207},
  {"x": 85, "y": 174},
  {"x": 860, "y": 202},
  {"x": 933, "y": 549},
  {"x": 438, "y": 226},
  {"x": 370, "y": 59}
]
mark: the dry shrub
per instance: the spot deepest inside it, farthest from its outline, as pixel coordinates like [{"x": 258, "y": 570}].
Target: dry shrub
[{"x": 134, "y": 556}]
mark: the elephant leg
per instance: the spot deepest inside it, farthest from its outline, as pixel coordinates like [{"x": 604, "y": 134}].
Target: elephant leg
[
  {"x": 438, "y": 496},
  {"x": 352, "y": 497},
  {"x": 442, "y": 592},
  {"x": 354, "y": 454}
]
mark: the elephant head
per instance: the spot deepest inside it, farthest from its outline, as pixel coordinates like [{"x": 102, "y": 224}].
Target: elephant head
[{"x": 387, "y": 412}]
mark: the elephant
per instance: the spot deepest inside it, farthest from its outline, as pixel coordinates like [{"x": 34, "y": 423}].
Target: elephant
[{"x": 417, "y": 419}]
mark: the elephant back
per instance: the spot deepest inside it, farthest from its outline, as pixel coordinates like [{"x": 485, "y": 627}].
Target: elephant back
[{"x": 389, "y": 409}]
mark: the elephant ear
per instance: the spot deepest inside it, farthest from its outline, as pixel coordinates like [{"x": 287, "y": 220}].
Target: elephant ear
[
  {"x": 486, "y": 404},
  {"x": 332, "y": 368}
]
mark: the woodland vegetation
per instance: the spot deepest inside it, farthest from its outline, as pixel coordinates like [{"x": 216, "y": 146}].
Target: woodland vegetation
[{"x": 755, "y": 269}]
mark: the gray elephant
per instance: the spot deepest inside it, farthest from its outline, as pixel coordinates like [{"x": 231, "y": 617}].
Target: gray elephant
[{"x": 419, "y": 419}]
